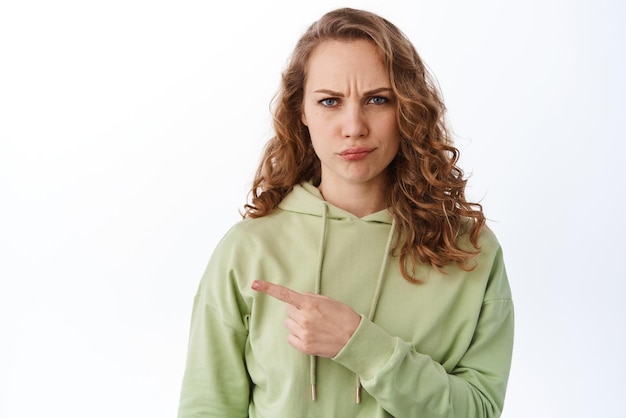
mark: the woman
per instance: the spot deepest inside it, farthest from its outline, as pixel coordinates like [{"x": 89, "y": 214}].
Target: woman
[{"x": 361, "y": 282}]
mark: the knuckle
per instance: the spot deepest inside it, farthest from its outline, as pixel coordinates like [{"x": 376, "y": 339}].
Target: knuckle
[
  {"x": 306, "y": 322},
  {"x": 309, "y": 304},
  {"x": 284, "y": 294},
  {"x": 306, "y": 346}
]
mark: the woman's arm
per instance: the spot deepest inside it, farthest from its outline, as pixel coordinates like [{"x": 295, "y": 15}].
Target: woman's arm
[
  {"x": 409, "y": 384},
  {"x": 215, "y": 346}
]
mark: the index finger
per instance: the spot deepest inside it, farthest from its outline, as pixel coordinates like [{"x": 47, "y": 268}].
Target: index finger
[{"x": 279, "y": 292}]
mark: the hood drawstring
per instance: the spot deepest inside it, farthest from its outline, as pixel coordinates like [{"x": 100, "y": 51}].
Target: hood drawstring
[
  {"x": 375, "y": 299},
  {"x": 317, "y": 290}
]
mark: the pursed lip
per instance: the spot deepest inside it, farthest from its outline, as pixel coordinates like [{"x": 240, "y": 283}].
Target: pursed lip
[{"x": 356, "y": 150}]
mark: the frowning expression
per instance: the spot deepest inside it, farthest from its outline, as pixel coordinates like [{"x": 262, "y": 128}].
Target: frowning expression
[{"x": 350, "y": 111}]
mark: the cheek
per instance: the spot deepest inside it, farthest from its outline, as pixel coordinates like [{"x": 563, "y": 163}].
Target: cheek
[
  {"x": 318, "y": 126},
  {"x": 393, "y": 148},
  {"x": 392, "y": 134},
  {"x": 390, "y": 127}
]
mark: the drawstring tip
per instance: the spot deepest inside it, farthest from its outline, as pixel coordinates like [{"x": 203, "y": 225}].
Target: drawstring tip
[
  {"x": 313, "y": 393},
  {"x": 358, "y": 394}
]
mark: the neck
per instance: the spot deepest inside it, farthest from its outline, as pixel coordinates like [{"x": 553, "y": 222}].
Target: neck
[{"x": 360, "y": 200}]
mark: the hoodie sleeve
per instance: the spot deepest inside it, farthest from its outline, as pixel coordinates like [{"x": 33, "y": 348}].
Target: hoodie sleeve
[
  {"x": 407, "y": 383},
  {"x": 205, "y": 392},
  {"x": 215, "y": 381}
]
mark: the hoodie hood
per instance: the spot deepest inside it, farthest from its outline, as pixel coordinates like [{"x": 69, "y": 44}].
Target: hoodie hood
[{"x": 306, "y": 199}]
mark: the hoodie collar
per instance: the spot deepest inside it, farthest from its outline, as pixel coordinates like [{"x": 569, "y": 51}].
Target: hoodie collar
[{"x": 306, "y": 199}]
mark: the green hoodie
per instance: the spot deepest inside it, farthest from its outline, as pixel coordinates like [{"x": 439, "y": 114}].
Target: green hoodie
[{"x": 437, "y": 349}]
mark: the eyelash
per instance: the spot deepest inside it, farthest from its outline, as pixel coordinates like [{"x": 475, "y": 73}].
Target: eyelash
[
  {"x": 323, "y": 102},
  {"x": 384, "y": 100}
]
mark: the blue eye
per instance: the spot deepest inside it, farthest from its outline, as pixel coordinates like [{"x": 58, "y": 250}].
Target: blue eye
[
  {"x": 379, "y": 100},
  {"x": 330, "y": 102}
]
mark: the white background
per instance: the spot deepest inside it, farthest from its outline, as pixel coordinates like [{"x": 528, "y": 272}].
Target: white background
[{"x": 130, "y": 131}]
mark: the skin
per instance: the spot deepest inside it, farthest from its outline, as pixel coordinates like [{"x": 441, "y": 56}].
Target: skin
[
  {"x": 317, "y": 325},
  {"x": 349, "y": 109}
]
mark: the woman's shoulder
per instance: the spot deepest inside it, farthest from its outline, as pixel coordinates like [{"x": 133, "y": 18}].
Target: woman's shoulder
[
  {"x": 251, "y": 225},
  {"x": 486, "y": 239},
  {"x": 249, "y": 230}
]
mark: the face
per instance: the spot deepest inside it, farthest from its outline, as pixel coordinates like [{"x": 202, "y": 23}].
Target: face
[{"x": 349, "y": 109}]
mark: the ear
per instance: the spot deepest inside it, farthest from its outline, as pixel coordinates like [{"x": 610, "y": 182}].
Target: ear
[{"x": 303, "y": 118}]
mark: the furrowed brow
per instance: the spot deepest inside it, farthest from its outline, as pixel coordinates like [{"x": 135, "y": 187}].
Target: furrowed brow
[
  {"x": 378, "y": 90},
  {"x": 329, "y": 92},
  {"x": 367, "y": 93}
]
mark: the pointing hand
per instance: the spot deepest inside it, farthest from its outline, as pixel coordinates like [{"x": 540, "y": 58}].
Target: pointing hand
[{"x": 317, "y": 325}]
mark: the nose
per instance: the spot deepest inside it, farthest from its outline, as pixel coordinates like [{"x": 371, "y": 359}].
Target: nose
[{"x": 354, "y": 123}]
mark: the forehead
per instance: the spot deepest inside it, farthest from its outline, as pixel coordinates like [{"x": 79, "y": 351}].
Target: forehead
[{"x": 336, "y": 60}]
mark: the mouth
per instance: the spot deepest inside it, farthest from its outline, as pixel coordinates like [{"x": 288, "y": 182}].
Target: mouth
[{"x": 356, "y": 153}]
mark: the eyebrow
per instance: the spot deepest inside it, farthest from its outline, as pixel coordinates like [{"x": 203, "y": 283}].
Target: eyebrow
[{"x": 367, "y": 93}]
